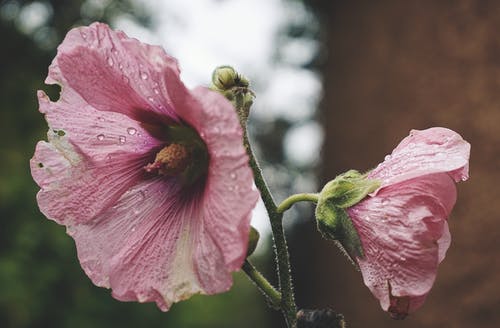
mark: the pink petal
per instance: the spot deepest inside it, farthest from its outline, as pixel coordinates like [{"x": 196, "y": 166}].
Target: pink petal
[
  {"x": 141, "y": 247},
  {"x": 94, "y": 160},
  {"x": 434, "y": 150},
  {"x": 112, "y": 72},
  {"x": 230, "y": 194},
  {"x": 74, "y": 188},
  {"x": 404, "y": 236}
]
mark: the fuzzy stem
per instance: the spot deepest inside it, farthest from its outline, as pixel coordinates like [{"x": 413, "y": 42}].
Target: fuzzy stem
[
  {"x": 288, "y": 306},
  {"x": 287, "y": 203},
  {"x": 272, "y": 295}
]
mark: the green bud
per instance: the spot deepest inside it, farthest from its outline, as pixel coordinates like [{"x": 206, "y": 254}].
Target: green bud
[
  {"x": 235, "y": 87},
  {"x": 334, "y": 223},
  {"x": 226, "y": 77},
  {"x": 253, "y": 240}
]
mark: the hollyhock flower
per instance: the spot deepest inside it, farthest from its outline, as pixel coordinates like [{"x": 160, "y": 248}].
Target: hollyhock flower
[
  {"x": 403, "y": 225},
  {"x": 151, "y": 179}
]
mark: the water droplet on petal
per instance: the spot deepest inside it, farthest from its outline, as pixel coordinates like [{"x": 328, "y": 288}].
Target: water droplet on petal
[
  {"x": 122, "y": 139},
  {"x": 156, "y": 90},
  {"x": 464, "y": 178},
  {"x": 100, "y": 137},
  {"x": 100, "y": 118},
  {"x": 120, "y": 66},
  {"x": 125, "y": 79},
  {"x": 144, "y": 76},
  {"x": 151, "y": 99},
  {"x": 233, "y": 175},
  {"x": 110, "y": 61},
  {"x": 131, "y": 131},
  {"x": 84, "y": 35},
  {"x": 384, "y": 201},
  {"x": 388, "y": 157}
]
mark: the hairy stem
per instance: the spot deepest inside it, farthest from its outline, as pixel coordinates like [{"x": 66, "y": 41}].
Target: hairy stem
[
  {"x": 288, "y": 306},
  {"x": 287, "y": 203},
  {"x": 272, "y": 295}
]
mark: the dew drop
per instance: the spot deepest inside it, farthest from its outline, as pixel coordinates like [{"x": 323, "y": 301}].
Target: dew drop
[
  {"x": 464, "y": 178},
  {"x": 131, "y": 131},
  {"x": 233, "y": 175},
  {"x": 151, "y": 99},
  {"x": 122, "y": 139},
  {"x": 144, "y": 76},
  {"x": 110, "y": 61},
  {"x": 156, "y": 90},
  {"x": 125, "y": 79},
  {"x": 100, "y": 119},
  {"x": 231, "y": 188},
  {"x": 385, "y": 201},
  {"x": 120, "y": 66},
  {"x": 100, "y": 137},
  {"x": 388, "y": 157},
  {"x": 84, "y": 35}
]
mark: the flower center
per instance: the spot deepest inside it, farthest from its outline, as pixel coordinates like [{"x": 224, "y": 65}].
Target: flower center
[
  {"x": 185, "y": 155},
  {"x": 171, "y": 160}
]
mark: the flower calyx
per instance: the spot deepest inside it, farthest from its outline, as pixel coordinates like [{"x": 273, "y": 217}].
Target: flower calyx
[{"x": 333, "y": 221}]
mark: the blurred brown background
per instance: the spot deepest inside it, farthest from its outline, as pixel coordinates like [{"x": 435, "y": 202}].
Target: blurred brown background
[{"x": 393, "y": 66}]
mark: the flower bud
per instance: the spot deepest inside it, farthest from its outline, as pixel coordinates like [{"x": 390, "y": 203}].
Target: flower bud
[
  {"x": 235, "y": 87},
  {"x": 253, "y": 240},
  {"x": 225, "y": 77}
]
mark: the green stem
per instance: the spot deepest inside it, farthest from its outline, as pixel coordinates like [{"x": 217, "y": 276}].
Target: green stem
[
  {"x": 272, "y": 295},
  {"x": 288, "y": 306},
  {"x": 287, "y": 203}
]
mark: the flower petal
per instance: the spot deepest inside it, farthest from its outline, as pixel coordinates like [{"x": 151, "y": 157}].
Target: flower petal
[
  {"x": 92, "y": 158},
  {"x": 151, "y": 246},
  {"x": 112, "y": 72},
  {"x": 230, "y": 194},
  {"x": 404, "y": 235},
  {"x": 434, "y": 150},
  {"x": 75, "y": 188}
]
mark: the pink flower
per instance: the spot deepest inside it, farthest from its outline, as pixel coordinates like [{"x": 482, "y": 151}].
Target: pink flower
[
  {"x": 150, "y": 178},
  {"x": 403, "y": 224}
]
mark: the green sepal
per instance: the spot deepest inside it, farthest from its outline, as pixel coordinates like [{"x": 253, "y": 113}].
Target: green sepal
[
  {"x": 333, "y": 222},
  {"x": 348, "y": 189}
]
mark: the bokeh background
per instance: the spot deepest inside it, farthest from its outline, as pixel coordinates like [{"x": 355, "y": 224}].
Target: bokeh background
[{"x": 338, "y": 84}]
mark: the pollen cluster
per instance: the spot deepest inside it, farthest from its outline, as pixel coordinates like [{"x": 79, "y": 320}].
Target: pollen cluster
[{"x": 171, "y": 160}]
